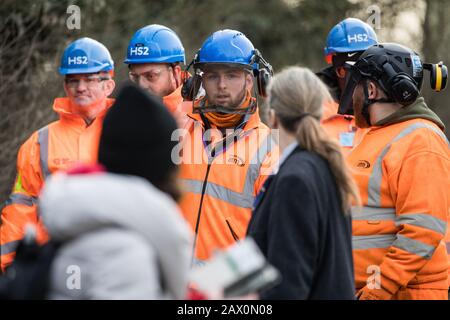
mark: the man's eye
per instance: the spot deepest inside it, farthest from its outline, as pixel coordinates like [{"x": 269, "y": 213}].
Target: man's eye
[
  {"x": 73, "y": 81},
  {"x": 211, "y": 76}
]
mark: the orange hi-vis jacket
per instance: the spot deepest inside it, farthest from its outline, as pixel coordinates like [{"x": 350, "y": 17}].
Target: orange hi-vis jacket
[
  {"x": 177, "y": 107},
  {"x": 403, "y": 174},
  {"x": 447, "y": 244},
  {"x": 52, "y": 148},
  {"x": 221, "y": 180},
  {"x": 341, "y": 128}
]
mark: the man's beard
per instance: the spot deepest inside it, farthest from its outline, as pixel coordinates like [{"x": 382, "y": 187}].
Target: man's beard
[
  {"x": 236, "y": 103},
  {"x": 358, "y": 104}
]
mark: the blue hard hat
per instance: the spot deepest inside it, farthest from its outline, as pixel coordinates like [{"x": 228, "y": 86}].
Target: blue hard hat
[
  {"x": 227, "y": 46},
  {"x": 350, "y": 35},
  {"x": 85, "y": 55},
  {"x": 155, "y": 44}
]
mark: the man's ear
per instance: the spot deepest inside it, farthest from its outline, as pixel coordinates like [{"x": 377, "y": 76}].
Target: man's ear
[
  {"x": 177, "y": 69},
  {"x": 177, "y": 74},
  {"x": 375, "y": 92},
  {"x": 109, "y": 87},
  {"x": 372, "y": 90},
  {"x": 249, "y": 80}
]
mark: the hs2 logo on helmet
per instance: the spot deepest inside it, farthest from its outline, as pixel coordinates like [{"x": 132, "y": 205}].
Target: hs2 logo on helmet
[
  {"x": 139, "y": 51},
  {"x": 78, "y": 60},
  {"x": 359, "y": 37}
]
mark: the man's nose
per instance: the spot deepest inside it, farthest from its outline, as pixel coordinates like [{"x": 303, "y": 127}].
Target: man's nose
[
  {"x": 222, "y": 83},
  {"x": 82, "y": 85},
  {"x": 141, "y": 82}
]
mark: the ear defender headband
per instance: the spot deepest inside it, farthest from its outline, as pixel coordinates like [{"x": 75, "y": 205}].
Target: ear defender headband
[{"x": 262, "y": 71}]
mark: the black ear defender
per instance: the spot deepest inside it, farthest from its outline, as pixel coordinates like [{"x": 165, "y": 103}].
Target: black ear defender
[
  {"x": 438, "y": 75},
  {"x": 400, "y": 86},
  {"x": 263, "y": 73},
  {"x": 191, "y": 85}
]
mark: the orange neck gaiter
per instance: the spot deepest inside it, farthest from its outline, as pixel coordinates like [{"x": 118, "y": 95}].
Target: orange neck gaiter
[{"x": 227, "y": 120}]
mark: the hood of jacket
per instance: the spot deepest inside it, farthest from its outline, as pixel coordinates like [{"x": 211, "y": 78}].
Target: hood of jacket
[
  {"x": 88, "y": 204},
  {"x": 416, "y": 110}
]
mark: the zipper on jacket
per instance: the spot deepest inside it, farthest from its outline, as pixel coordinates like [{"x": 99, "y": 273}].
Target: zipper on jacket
[{"x": 235, "y": 236}]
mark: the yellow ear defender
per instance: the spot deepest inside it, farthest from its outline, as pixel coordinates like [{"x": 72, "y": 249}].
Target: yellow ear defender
[{"x": 438, "y": 75}]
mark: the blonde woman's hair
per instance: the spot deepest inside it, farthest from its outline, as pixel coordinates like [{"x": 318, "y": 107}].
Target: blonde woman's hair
[{"x": 297, "y": 96}]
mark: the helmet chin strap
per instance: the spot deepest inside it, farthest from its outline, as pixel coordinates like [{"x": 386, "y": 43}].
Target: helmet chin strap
[
  {"x": 368, "y": 102},
  {"x": 226, "y": 110}
]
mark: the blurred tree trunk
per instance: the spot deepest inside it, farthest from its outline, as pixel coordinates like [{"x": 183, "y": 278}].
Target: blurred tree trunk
[
  {"x": 435, "y": 48},
  {"x": 27, "y": 55}
]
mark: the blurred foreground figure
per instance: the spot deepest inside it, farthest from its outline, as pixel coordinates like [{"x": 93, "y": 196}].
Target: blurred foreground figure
[{"x": 121, "y": 233}]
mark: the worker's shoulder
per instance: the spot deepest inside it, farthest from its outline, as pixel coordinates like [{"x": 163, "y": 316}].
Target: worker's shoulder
[
  {"x": 411, "y": 128},
  {"x": 419, "y": 135},
  {"x": 43, "y": 130}
]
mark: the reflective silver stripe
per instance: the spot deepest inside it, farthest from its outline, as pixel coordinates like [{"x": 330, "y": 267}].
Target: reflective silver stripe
[
  {"x": 9, "y": 247},
  {"x": 214, "y": 190},
  {"x": 43, "y": 143},
  {"x": 246, "y": 198},
  {"x": 255, "y": 165},
  {"x": 447, "y": 245},
  {"x": 423, "y": 220},
  {"x": 374, "y": 188},
  {"x": 415, "y": 247},
  {"x": 17, "y": 198},
  {"x": 371, "y": 213},
  {"x": 381, "y": 241}
]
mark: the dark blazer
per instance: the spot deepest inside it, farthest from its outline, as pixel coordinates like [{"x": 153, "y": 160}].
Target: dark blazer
[{"x": 299, "y": 226}]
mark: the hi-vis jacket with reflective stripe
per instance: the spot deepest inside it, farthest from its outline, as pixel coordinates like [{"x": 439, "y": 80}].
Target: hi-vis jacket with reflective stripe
[
  {"x": 49, "y": 149},
  {"x": 402, "y": 171},
  {"x": 341, "y": 128},
  {"x": 222, "y": 179}
]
